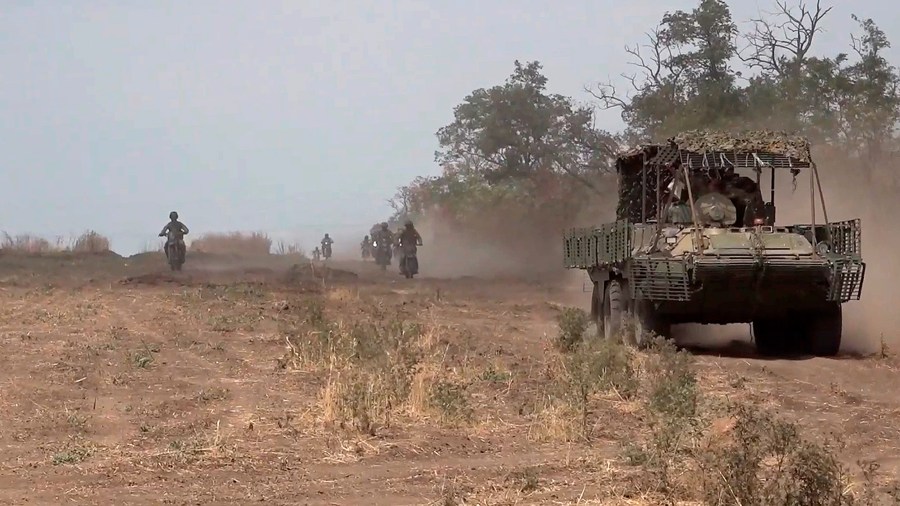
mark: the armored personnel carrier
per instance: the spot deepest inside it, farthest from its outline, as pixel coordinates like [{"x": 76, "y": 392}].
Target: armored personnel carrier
[{"x": 695, "y": 242}]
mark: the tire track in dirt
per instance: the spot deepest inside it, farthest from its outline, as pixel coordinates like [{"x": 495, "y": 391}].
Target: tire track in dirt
[{"x": 855, "y": 399}]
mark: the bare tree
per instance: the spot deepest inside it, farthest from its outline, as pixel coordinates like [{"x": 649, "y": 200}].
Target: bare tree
[
  {"x": 781, "y": 44},
  {"x": 656, "y": 63}
]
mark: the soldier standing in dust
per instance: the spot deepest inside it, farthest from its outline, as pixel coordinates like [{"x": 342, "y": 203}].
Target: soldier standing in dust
[{"x": 174, "y": 231}]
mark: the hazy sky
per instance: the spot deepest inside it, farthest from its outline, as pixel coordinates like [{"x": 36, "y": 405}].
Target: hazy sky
[{"x": 293, "y": 117}]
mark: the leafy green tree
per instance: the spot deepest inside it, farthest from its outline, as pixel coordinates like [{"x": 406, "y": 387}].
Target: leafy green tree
[
  {"x": 849, "y": 101},
  {"x": 870, "y": 104},
  {"x": 518, "y": 130},
  {"x": 685, "y": 79}
]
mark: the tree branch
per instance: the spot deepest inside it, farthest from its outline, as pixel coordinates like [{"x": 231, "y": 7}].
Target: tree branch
[{"x": 781, "y": 47}]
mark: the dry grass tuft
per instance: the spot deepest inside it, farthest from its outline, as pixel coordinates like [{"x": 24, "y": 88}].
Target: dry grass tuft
[
  {"x": 289, "y": 249},
  {"x": 28, "y": 244},
  {"x": 379, "y": 367},
  {"x": 233, "y": 243},
  {"x": 91, "y": 242}
]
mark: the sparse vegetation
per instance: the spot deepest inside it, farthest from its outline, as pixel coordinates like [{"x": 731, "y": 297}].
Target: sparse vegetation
[
  {"x": 689, "y": 445},
  {"x": 573, "y": 323},
  {"x": 27, "y": 244},
  {"x": 292, "y": 249},
  {"x": 368, "y": 372},
  {"x": 91, "y": 242},
  {"x": 164, "y": 390}
]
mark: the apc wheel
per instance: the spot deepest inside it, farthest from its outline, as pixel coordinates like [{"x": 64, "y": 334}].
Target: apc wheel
[
  {"x": 615, "y": 310},
  {"x": 777, "y": 336},
  {"x": 646, "y": 321},
  {"x": 823, "y": 332}
]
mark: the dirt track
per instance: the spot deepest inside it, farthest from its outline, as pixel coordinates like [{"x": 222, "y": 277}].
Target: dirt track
[{"x": 123, "y": 384}]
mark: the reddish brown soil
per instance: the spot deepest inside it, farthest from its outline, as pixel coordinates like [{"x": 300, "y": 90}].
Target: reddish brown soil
[{"x": 123, "y": 383}]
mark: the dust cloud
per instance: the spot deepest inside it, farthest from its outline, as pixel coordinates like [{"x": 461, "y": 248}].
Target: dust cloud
[
  {"x": 506, "y": 243},
  {"x": 510, "y": 251},
  {"x": 852, "y": 193}
]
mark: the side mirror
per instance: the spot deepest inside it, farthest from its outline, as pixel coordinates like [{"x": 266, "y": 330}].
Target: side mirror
[{"x": 769, "y": 213}]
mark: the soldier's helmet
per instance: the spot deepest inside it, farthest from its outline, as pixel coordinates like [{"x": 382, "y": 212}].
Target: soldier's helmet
[{"x": 173, "y": 215}]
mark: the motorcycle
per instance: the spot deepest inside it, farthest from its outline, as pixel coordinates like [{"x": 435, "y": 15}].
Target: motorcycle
[
  {"x": 175, "y": 252},
  {"x": 366, "y": 251},
  {"x": 409, "y": 262},
  {"x": 326, "y": 251},
  {"x": 382, "y": 254}
]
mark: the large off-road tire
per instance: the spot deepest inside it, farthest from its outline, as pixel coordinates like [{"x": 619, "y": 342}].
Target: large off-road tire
[
  {"x": 174, "y": 257},
  {"x": 646, "y": 321},
  {"x": 777, "y": 336},
  {"x": 615, "y": 310},
  {"x": 823, "y": 331}
]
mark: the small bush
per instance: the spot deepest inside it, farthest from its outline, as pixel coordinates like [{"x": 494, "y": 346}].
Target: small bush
[
  {"x": 91, "y": 242},
  {"x": 573, "y": 323},
  {"x": 233, "y": 243},
  {"x": 758, "y": 459},
  {"x": 673, "y": 391},
  {"x": 451, "y": 400},
  {"x": 588, "y": 369}
]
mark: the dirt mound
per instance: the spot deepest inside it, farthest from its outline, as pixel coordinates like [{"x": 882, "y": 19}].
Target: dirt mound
[
  {"x": 155, "y": 279},
  {"x": 299, "y": 273},
  {"x": 258, "y": 275}
]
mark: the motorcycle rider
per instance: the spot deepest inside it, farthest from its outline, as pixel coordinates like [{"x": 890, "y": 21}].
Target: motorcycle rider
[
  {"x": 407, "y": 241},
  {"x": 383, "y": 242},
  {"x": 326, "y": 246},
  {"x": 317, "y": 254},
  {"x": 366, "y": 247},
  {"x": 174, "y": 231},
  {"x": 409, "y": 236}
]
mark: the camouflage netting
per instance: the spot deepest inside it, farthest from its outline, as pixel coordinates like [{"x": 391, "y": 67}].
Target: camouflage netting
[{"x": 760, "y": 141}]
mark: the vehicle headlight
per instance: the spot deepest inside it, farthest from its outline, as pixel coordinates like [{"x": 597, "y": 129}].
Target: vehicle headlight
[{"x": 823, "y": 248}]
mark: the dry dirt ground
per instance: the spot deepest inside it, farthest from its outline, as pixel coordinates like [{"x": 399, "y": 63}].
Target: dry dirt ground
[{"x": 234, "y": 383}]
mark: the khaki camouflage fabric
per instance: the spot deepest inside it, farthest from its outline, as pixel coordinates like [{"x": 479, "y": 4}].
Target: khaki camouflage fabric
[{"x": 749, "y": 141}]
